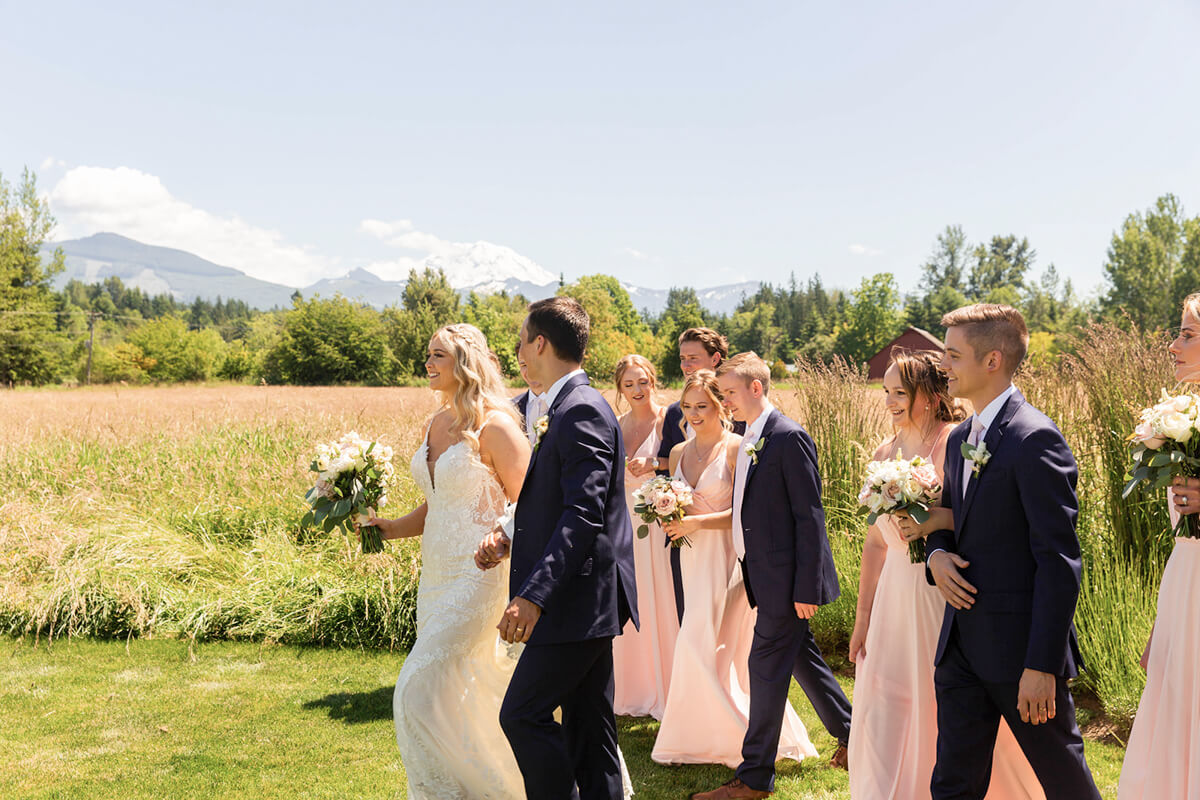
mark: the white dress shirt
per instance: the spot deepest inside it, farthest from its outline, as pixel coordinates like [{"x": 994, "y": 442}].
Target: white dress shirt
[
  {"x": 753, "y": 433},
  {"x": 535, "y": 408}
]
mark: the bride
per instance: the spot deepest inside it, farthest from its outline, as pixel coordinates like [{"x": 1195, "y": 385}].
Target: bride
[{"x": 472, "y": 460}]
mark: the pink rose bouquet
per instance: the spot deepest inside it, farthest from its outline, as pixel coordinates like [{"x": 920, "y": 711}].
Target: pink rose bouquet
[
  {"x": 901, "y": 484},
  {"x": 1166, "y": 443},
  {"x": 660, "y": 500}
]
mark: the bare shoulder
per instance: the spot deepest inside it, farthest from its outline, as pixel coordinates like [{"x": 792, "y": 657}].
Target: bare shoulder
[
  {"x": 499, "y": 428},
  {"x": 884, "y": 449}
]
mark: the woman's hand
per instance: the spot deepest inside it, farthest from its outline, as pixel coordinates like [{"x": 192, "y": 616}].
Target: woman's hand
[
  {"x": 858, "y": 644},
  {"x": 388, "y": 528},
  {"x": 640, "y": 466},
  {"x": 1186, "y": 494},
  {"x": 678, "y": 528},
  {"x": 910, "y": 529}
]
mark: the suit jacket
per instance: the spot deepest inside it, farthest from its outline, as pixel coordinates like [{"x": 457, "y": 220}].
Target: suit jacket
[
  {"x": 521, "y": 401},
  {"x": 1016, "y": 527},
  {"x": 788, "y": 559},
  {"x": 572, "y": 547}
]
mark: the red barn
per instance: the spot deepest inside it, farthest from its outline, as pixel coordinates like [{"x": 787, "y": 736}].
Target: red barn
[{"x": 912, "y": 338}]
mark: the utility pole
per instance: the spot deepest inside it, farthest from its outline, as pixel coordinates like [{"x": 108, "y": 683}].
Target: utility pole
[{"x": 91, "y": 341}]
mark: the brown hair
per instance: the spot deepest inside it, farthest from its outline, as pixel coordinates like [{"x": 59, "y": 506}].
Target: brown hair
[
  {"x": 749, "y": 367},
  {"x": 628, "y": 362},
  {"x": 920, "y": 373},
  {"x": 563, "y": 323},
  {"x": 705, "y": 380},
  {"x": 989, "y": 327},
  {"x": 712, "y": 341}
]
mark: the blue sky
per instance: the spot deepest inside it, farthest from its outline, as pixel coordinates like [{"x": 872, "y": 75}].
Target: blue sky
[{"x": 665, "y": 143}]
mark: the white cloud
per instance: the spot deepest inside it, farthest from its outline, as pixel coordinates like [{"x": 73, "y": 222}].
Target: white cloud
[
  {"x": 50, "y": 162},
  {"x": 136, "y": 204},
  {"x": 864, "y": 250},
  {"x": 637, "y": 255}
]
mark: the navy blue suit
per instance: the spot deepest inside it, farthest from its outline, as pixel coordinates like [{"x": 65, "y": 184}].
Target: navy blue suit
[
  {"x": 1016, "y": 528},
  {"x": 787, "y": 561},
  {"x": 521, "y": 401},
  {"x": 572, "y": 555}
]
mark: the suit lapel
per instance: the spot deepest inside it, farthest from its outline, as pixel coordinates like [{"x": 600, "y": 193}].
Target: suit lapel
[
  {"x": 768, "y": 428},
  {"x": 994, "y": 435},
  {"x": 568, "y": 387}
]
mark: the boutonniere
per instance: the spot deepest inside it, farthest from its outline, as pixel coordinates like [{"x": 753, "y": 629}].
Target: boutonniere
[
  {"x": 752, "y": 448},
  {"x": 977, "y": 455},
  {"x": 539, "y": 428}
]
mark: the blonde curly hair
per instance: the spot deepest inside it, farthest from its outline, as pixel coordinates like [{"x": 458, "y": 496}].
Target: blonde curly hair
[{"x": 479, "y": 387}]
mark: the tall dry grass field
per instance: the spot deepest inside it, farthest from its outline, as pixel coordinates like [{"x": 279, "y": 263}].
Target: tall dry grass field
[{"x": 174, "y": 511}]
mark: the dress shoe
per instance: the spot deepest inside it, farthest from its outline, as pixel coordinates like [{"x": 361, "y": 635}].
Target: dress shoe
[
  {"x": 841, "y": 758},
  {"x": 734, "y": 790}
]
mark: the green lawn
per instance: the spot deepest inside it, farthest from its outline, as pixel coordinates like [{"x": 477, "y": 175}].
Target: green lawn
[{"x": 159, "y": 719}]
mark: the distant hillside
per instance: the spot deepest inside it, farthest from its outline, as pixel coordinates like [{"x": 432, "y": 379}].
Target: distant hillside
[{"x": 185, "y": 276}]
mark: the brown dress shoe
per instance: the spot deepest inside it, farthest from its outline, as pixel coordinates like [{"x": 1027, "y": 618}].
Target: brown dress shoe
[
  {"x": 734, "y": 790},
  {"x": 841, "y": 758}
]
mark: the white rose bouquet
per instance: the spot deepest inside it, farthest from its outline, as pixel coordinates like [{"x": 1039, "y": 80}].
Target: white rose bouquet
[
  {"x": 901, "y": 484},
  {"x": 352, "y": 478},
  {"x": 1166, "y": 443},
  {"x": 660, "y": 500}
]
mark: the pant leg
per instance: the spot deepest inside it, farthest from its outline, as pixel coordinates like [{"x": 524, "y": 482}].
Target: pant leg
[
  {"x": 822, "y": 689},
  {"x": 1054, "y": 749},
  {"x": 968, "y": 720},
  {"x": 772, "y": 656},
  {"x": 591, "y": 729},
  {"x": 543, "y": 680}
]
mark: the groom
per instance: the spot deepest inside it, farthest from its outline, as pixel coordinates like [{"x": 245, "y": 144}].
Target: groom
[
  {"x": 1009, "y": 572},
  {"x": 779, "y": 537},
  {"x": 571, "y": 584}
]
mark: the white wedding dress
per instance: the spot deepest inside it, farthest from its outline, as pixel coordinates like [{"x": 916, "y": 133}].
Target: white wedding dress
[{"x": 446, "y": 705}]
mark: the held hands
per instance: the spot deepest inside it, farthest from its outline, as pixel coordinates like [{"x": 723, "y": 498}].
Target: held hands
[
  {"x": 640, "y": 466},
  {"x": 1187, "y": 494},
  {"x": 1035, "y": 696},
  {"x": 516, "y": 625},
  {"x": 492, "y": 550},
  {"x": 678, "y": 528},
  {"x": 945, "y": 567}
]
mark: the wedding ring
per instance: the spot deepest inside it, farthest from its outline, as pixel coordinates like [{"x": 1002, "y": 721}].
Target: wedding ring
[{"x": 1183, "y": 501}]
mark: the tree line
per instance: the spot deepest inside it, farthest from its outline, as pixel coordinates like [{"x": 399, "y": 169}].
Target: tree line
[{"x": 110, "y": 332}]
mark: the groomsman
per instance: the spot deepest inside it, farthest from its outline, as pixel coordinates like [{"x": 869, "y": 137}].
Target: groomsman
[
  {"x": 779, "y": 536},
  {"x": 1009, "y": 572},
  {"x": 699, "y": 348}
]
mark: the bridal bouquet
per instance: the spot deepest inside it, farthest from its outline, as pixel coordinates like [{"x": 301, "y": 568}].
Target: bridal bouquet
[
  {"x": 1166, "y": 443},
  {"x": 660, "y": 500},
  {"x": 352, "y": 478},
  {"x": 901, "y": 484}
]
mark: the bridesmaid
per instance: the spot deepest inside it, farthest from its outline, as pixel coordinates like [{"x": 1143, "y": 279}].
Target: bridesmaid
[
  {"x": 642, "y": 659},
  {"x": 1163, "y": 757},
  {"x": 709, "y": 702},
  {"x": 893, "y": 729}
]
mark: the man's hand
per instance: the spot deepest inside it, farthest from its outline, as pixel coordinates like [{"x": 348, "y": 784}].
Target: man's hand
[
  {"x": 805, "y": 610},
  {"x": 640, "y": 466},
  {"x": 516, "y": 625},
  {"x": 492, "y": 550},
  {"x": 1035, "y": 696},
  {"x": 954, "y": 587}
]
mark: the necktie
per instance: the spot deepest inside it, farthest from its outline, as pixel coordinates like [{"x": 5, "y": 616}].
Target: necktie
[{"x": 973, "y": 441}]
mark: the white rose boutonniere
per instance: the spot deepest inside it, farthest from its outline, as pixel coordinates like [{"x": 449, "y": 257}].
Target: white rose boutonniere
[
  {"x": 977, "y": 455},
  {"x": 752, "y": 448},
  {"x": 540, "y": 427}
]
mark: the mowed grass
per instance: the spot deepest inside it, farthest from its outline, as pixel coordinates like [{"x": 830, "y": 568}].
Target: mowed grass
[{"x": 167, "y": 718}]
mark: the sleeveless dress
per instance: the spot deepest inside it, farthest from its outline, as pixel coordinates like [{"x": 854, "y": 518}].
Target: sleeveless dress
[
  {"x": 1163, "y": 756},
  {"x": 893, "y": 727},
  {"x": 708, "y": 706},
  {"x": 446, "y": 705},
  {"x": 642, "y": 659}
]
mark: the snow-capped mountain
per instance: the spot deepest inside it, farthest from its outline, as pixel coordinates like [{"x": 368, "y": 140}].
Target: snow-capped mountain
[{"x": 482, "y": 267}]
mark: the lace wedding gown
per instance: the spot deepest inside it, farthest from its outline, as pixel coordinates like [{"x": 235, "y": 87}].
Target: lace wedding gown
[{"x": 447, "y": 700}]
